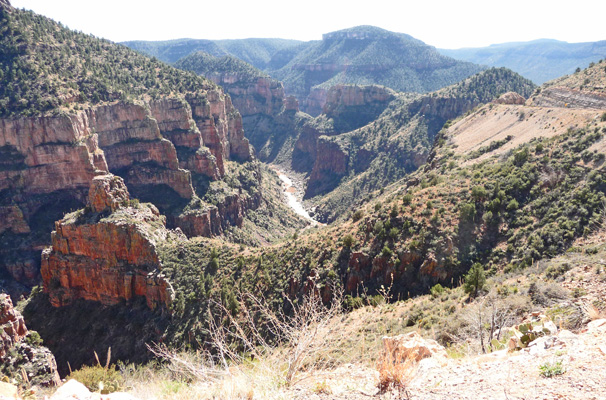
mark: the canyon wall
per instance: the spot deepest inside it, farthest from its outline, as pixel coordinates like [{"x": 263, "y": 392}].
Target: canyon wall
[{"x": 162, "y": 148}]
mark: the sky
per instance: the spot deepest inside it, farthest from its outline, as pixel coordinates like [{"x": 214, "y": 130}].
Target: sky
[{"x": 444, "y": 24}]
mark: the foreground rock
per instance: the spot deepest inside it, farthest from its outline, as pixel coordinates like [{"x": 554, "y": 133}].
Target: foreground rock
[
  {"x": 411, "y": 346},
  {"x": 107, "y": 251},
  {"x": 21, "y": 352},
  {"x": 74, "y": 390}
]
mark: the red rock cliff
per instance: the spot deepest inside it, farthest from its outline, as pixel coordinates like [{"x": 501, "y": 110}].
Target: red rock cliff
[
  {"x": 47, "y": 163},
  {"x": 107, "y": 252}
]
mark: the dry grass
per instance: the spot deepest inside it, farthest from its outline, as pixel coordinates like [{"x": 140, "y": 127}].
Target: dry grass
[
  {"x": 396, "y": 371},
  {"x": 592, "y": 312}
]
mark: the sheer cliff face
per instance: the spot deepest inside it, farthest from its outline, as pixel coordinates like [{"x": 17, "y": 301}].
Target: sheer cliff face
[{"x": 48, "y": 163}]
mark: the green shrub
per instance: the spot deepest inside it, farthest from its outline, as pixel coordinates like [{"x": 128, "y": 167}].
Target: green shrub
[
  {"x": 348, "y": 240},
  {"x": 467, "y": 212},
  {"x": 99, "y": 379},
  {"x": 436, "y": 290},
  {"x": 513, "y": 205},
  {"x": 551, "y": 369},
  {"x": 357, "y": 215},
  {"x": 386, "y": 252},
  {"x": 33, "y": 339},
  {"x": 352, "y": 303},
  {"x": 554, "y": 271}
]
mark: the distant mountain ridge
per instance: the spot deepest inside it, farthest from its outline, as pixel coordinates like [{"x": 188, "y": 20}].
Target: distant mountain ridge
[
  {"x": 538, "y": 60},
  {"x": 368, "y": 55},
  {"x": 364, "y": 55},
  {"x": 257, "y": 51}
]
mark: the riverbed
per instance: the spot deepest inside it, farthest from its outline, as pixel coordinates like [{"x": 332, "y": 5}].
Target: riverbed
[{"x": 290, "y": 191}]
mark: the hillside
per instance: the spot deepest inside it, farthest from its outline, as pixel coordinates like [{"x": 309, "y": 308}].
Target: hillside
[
  {"x": 394, "y": 145},
  {"x": 369, "y": 55},
  {"x": 257, "y": 52},
  {"x": 501, "y": 212},
  {"x": 538, "y": 60}
]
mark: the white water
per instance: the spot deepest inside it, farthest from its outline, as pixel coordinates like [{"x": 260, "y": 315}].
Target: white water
[{"x": 293, "y": 202}]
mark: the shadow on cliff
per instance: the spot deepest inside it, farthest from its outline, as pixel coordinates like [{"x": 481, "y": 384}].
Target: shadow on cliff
[{"x": 74, "y": 332}]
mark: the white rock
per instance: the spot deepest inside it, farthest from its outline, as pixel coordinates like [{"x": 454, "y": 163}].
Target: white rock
[
  {"x": 72, "y": 390},
  {"x": 597, "y": 327}
]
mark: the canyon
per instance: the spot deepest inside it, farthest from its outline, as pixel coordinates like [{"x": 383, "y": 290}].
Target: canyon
[{"x": 162, "y": 148}]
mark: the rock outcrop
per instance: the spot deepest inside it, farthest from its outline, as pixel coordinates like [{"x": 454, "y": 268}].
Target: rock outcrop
[
  {"x": 361, "y": 103},
  {"x": 315, "y": 101},
  {"x": 107, "y": 252},
  {"x": 13, "y": 328},
  {"x": 18, "y": 354},
  {"x": 344, "y": 108},
  {"x": 329, "y": 167},
  {"x": 510, "y": 98}
]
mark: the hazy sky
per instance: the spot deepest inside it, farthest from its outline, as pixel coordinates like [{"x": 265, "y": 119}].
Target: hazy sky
[{"x": 444, "y": 24}]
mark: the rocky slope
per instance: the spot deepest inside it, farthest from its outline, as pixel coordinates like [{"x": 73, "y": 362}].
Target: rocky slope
[
  {"x": 169, "y": 134},
  {"x": 21, "y": 352},
  {"x": 267, "y": 114},
  {"x": 160, "y": 145},
  {"x": 345, "y": 108}
]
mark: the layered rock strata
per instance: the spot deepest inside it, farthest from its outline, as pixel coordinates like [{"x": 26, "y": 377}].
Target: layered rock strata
[
  {"x": 569, "y": 98},
  {"x": 47, "y": 163},
  {"x": 107, "y": 251},
  {"x": 12, "y": 326}
]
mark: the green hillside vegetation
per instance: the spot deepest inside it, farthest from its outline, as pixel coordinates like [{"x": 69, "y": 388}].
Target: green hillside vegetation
[
  {"x": 590, "y": 79},
  {"x": 399, "y": 141},
  {"x": 370, "y": 55},
  {"x": 257, "y": 52},
  {"x": 207, "y": 65},
  {"x": 45, "y": 66},
  {"x": 538, "y": 60}
]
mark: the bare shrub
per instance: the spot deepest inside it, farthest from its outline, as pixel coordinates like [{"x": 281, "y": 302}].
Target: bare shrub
[
  {"x": 487, "y": 317},
  {"x": 300, "y": 342},
  {"x": 545, "y": 294},
  {"x": 396, "y": 370}
]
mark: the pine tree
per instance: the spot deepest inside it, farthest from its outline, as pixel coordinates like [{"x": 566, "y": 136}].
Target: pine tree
[{"x": 475, "y": 279}]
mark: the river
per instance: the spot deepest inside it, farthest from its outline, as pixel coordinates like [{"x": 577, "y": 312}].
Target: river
[{"x": 291, "y": 195}]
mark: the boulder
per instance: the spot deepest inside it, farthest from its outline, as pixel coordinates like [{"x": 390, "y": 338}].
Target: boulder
[
  {"x": 8, "y": 391},
  {"x": 412, "y": 346},
  {"x": 74, "y": 390},
  {"x": 510, "y": 98},
  {"x": 597, "y": 327}
]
